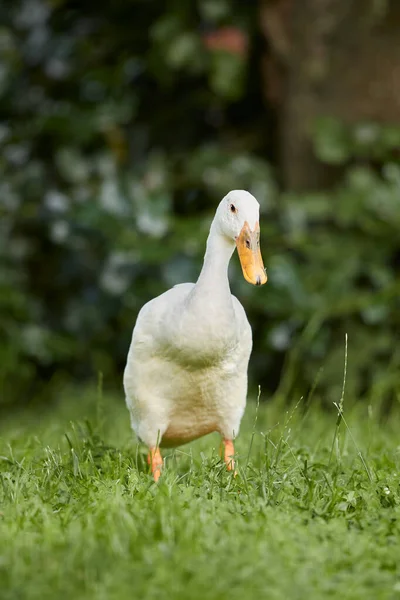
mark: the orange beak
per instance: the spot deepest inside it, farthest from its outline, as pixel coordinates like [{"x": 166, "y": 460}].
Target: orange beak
[{"x": 248, "y": 247}]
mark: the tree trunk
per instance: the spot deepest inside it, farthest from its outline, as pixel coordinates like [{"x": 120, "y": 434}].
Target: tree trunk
[{"x": 338, "y": 58}]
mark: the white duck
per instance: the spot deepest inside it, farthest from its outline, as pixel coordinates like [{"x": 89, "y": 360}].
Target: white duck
[{"x": 186, "y": 372}]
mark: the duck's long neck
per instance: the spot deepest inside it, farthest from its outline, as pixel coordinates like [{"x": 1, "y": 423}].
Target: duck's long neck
[{"x": 213, "y": 278}]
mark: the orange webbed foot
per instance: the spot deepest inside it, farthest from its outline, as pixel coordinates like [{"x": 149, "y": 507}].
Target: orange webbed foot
[
  {"x": 229, "y": 452},
  {"x": 155, "y": 461}
]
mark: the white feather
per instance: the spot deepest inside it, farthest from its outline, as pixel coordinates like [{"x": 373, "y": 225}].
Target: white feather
[{"x": 186, "y": 372}]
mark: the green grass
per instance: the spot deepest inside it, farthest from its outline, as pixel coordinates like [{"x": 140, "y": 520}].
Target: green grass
[{"x": 311, "y": 514}]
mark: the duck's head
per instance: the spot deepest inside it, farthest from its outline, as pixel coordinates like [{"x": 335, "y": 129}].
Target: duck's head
[{"x": 239, "y": 215}]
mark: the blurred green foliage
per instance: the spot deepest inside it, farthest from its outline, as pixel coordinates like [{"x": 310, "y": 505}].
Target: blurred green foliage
[{"x": 121, "y": 130}]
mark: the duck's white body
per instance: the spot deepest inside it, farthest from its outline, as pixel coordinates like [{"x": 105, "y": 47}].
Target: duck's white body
[
  {"x": 186, "y": 373},
  {"x": 180, "y": 386}
]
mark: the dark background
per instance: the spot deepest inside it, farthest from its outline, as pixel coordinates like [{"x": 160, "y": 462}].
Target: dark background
[{"x": 123, "y": 124}]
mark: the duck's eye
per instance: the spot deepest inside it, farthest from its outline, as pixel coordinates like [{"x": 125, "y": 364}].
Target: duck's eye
[{"x": 233, "y": 208}]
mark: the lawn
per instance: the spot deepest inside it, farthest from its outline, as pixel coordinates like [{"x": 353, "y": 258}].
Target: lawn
[{"x": 312, "y": 514}]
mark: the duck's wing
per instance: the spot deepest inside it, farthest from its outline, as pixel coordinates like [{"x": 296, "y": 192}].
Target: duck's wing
[
  {"x": 245, "y": 333},
  {"x": 184, "y": 286},
  {"x": 155, "y": 316}
]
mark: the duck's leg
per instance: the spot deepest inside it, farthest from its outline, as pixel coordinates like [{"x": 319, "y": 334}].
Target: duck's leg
[
  {"x": 155, "y": 461},
  {"x": 229, "y": 452}
]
